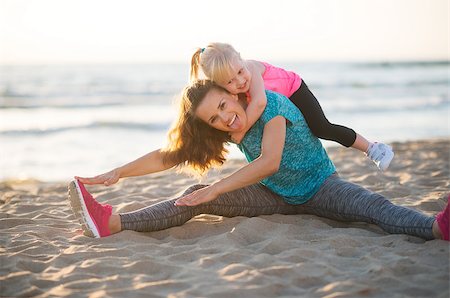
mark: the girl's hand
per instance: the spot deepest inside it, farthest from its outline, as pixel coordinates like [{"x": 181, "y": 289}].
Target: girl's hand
[
  {"x": 107, "y": 179},
  {"x": 197, "y": 197}
]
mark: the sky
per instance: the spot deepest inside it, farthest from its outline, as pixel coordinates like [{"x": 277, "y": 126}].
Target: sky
[{"x": 136, "y": 31}]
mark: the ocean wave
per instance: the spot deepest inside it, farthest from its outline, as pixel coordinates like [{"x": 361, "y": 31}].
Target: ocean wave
[
  {"x": 377, "y": 85},
  {"x": 82, "y": 86},
  {"x": 94, "y": 125},
  {"x": 125, "y": 99},
  {"x": 401, "y": 64},
  {"x": 383, "y": 105},
  {"x": 64, "y": 93},
  {"x": 62, "y": 106},
  {"x": 84, "y": 102},
  {"x": 136, "y": 119}
]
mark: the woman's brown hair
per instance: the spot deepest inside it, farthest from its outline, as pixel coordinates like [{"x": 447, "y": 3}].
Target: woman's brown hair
[{"x": 192, "y": 142}]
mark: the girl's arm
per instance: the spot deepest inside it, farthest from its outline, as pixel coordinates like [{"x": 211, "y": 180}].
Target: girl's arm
[
  {"x": 150, "y": 163},
  {"x": 265, "y": 165},
  {"x": 258, "y": 101}
]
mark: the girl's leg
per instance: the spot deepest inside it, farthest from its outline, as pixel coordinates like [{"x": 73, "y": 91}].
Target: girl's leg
[
  {"x": 361, "y": 143},
  {"x": 249, "y": 201},
  {"x": 307, "y": 103},
  {"x": 341, "y": 200}
]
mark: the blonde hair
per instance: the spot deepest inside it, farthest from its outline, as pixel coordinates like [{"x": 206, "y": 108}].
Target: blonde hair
[
  {"x": 192, "y": 142},
  {"x": 214, "y": 61}
]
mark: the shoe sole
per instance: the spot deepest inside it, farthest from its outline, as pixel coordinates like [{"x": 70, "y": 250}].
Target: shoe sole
[{"x": 80, "y": 210}]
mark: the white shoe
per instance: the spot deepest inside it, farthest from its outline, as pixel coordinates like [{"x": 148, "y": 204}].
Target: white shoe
[{"x": 381, "y": 154}]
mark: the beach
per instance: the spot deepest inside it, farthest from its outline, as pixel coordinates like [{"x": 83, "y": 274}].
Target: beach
[{"x": 44, "y": 253}]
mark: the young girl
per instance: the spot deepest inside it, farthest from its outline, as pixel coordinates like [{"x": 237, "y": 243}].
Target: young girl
[
  {"x": 289, "y": 172},
  {"x": 222, "y": 64}
]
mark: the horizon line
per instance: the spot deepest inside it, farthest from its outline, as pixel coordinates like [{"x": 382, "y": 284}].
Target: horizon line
[{"x": 175, "y": 62}]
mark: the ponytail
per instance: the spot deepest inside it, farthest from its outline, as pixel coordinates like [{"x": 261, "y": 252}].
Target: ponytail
[{"x": 195, "y": 65}]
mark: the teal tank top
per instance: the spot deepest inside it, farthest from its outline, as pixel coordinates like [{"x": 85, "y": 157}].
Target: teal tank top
[{"x": 305, "y": 164}]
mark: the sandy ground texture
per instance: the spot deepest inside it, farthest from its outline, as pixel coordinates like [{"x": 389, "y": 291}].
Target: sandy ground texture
[{"x": 43, "y": 252}]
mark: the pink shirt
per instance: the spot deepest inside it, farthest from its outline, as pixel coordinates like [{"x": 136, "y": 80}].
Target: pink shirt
[{"x": 280, "y": 80}]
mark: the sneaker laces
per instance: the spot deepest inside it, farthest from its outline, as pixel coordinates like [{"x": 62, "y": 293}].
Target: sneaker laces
[
  {"x": 99, "y": 209},
  {"x": 376, "y": 151}
]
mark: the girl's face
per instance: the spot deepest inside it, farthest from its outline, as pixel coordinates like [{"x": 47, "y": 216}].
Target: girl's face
[
  {"x": 240, "y": 77},
  {"x": 222, "y": 111}
]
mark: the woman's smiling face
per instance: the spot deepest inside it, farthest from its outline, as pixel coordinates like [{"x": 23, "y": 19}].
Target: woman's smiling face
[{"x": 222, "y": 110}]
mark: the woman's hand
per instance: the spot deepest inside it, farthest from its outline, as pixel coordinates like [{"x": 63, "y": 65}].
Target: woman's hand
[
  {"x": 199, "y": 196},
  {"x": 107, "y": 179}
]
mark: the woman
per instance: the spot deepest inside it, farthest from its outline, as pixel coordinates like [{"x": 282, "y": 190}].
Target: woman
[{"x": 289, "y": 173}]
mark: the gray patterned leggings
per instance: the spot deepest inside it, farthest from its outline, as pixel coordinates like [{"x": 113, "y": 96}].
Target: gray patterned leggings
[{"x": 336, "y": 199}]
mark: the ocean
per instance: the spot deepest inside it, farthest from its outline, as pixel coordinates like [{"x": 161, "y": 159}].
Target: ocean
[{"x": 64, "y": 120}]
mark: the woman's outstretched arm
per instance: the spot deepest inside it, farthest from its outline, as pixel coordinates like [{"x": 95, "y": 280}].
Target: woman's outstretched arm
[
  {"x": 265, "y": 165},
  {"x": 149, "y": 163}
]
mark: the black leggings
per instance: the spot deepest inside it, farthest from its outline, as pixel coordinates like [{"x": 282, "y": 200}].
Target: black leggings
[{"x": 307, "y": 103}]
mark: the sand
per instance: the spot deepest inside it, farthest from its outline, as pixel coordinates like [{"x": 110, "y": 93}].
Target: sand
[{"x": 43, "y": 252}]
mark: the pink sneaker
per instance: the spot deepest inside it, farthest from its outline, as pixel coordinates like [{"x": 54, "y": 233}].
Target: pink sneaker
[
  {"x": 442, "y": 219},
  {"x": 92, "y": 215}
]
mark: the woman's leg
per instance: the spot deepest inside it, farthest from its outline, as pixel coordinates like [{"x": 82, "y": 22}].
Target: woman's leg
[
  {"x": 345, "y": 201},
  {"x": 307, "y": 103},
  {"x": 249, "y": 201}
]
